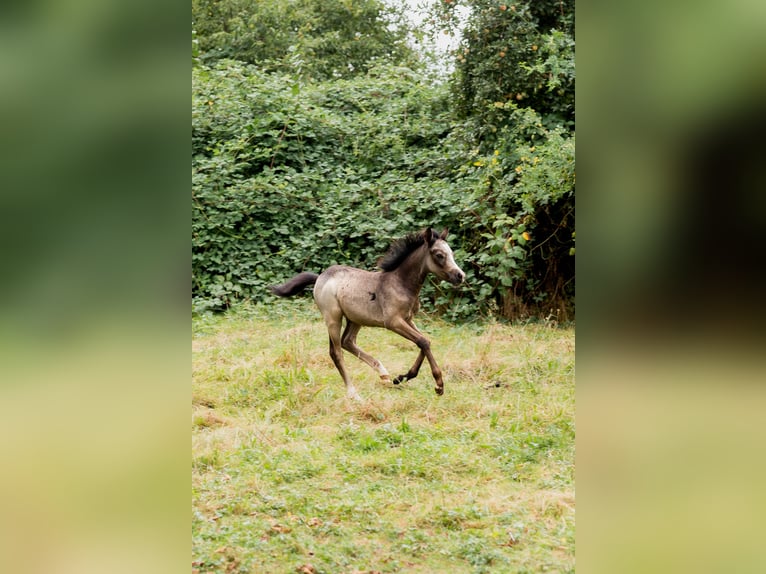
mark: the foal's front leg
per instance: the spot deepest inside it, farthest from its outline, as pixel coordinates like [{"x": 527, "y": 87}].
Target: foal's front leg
[
  {"x": 409, "y": 331},
  {"x": 414, "y": 369}
]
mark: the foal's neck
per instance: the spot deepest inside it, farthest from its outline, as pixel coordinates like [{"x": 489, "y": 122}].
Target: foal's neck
[{"x": 413, "y": 271}]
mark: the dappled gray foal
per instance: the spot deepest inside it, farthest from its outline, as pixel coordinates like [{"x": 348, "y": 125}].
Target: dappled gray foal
[{"x": 387, "y": 298}]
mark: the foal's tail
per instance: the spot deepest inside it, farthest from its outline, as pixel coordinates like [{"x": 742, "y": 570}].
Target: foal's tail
[{"x": 295, "y": 285}]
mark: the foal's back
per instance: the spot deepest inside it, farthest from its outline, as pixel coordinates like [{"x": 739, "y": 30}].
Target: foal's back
[{"x": 354, "y": 293}]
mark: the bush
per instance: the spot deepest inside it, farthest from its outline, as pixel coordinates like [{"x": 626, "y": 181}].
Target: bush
[{"x": 290, "y": 176}]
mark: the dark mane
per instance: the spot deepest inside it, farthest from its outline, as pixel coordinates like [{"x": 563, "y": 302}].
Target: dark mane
[{"x": 400, "y": 250}]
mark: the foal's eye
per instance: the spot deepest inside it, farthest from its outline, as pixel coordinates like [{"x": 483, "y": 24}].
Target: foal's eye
[{"x": 439, "y": 256}]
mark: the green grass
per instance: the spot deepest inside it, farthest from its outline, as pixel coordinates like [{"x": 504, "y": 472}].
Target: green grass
[{"x": 288, "y": 475}]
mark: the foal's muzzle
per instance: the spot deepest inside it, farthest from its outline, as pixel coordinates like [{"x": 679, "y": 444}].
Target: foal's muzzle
[{"x": 456, "y": 277}]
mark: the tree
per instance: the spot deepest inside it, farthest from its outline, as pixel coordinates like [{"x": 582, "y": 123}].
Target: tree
[
  {"x": 320, "y": 39},
  {"x": 515, "y": 51}
]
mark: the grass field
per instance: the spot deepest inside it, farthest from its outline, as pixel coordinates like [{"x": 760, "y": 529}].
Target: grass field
[{"x": 290, "y": 476}]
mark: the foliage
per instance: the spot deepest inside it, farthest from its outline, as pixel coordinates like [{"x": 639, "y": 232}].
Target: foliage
[
  {"x": 289, "y": 176},
  {"x": 526, "y": 225},
  {"x": 283, "y": 180},
  {"x": 291, "y": 173},
  {"x": 318, "y": 39}
]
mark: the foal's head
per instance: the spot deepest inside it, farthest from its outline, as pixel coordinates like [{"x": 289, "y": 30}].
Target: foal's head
[{"x": 440, "y": 260}]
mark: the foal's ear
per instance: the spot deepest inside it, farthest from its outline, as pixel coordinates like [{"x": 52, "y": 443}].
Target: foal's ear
[
  {"x": 444, "y": 234},
  {"x": 430, "y": 236}
]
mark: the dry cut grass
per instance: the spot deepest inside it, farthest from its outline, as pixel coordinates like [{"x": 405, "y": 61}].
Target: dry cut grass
[{"x": 290, "y": 476}]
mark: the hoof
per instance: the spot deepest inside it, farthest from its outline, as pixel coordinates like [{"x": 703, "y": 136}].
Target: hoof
[
  {"x": 439, "y": 390},
  {"x": 385, "y": 378},
  {"x": 399, "y": 379}
]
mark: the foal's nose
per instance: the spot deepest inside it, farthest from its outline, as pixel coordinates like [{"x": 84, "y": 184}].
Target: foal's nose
[{"x": 459, "y": 277}]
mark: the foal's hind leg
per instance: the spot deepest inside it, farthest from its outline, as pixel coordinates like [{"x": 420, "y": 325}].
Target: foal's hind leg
[
  {"x": 336, "y": 353},
  {"x": 348, "y": 341}
]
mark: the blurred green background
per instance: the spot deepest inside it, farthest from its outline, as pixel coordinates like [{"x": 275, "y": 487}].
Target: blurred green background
[
  {"x": 671, "y": 229},
  {"x": 94, "y": 220},
  {"x": 94, "y": 356}
]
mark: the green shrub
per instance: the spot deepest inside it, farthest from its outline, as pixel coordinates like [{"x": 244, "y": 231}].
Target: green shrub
[{"x": 290, "y": 176}]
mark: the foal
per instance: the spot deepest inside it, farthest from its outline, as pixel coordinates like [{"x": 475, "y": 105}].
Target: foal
[{"x": 387, "y": 298}]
